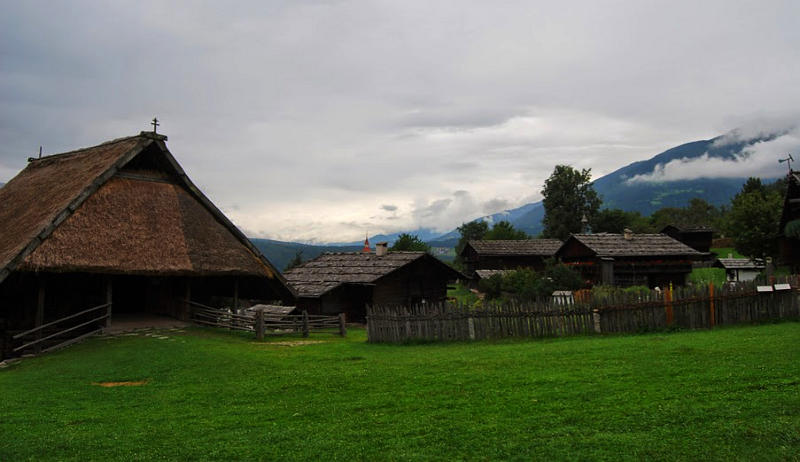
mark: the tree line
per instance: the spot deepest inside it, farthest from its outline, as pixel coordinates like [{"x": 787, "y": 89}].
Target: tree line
[{"x": 572, "y": 206}]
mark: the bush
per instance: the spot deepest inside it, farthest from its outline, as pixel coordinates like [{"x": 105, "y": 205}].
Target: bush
[{"x": 526, "y": 284}]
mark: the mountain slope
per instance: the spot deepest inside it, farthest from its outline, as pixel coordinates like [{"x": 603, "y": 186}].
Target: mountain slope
[
  {"x": 281, "y": 253},
  {"x": 647, "y": 197}
]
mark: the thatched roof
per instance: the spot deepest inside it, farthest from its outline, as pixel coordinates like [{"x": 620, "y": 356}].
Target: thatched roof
[
  {"x": 330, "y": 270},
  {"x": 87, "y": 211},
  {"x": 525, "y": 247},
  {"x": 639, "y": 245}
]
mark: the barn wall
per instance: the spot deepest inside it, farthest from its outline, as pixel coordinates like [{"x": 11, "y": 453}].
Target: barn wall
[{"x": 421, "y": 280}]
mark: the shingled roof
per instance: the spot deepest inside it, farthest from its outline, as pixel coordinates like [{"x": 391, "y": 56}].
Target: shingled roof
[
  {"x": 539, "y": 247},
  {"x": 81, "y": 211},
  {"x": 638, "y": 245},
  {"x": 330, "y": 270},
  {"x": 738, "y": 263}
]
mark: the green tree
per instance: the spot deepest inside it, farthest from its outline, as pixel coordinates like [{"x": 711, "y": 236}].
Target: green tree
[
  {"x": 408, "y": 242},
  {"x": 504, "y": 230},
  {"x": 753, "y": 221},
  {"x": 616, "y": 220},
  {"x": 568, "y": 197},
  {"x": 472, "y": 231},
  {"x": 296, "y": 261},
  {"x": 697, "y": 212}
]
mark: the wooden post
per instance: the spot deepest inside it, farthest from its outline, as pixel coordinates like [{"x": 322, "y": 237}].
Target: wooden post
[
  {"x": 668, "y": 300},
  {"x": 342, "y": 327},
  {"x": 109, "y": 295},
  {"x": 39, "y": 320},
  {"x": 187, "y": 307},
  {"x": 711, "y": 320},
  {"x": 259, "y": 327},
  {"x": 471, "y": 327},
  {"x": 305, "y": 323},
  {"x": 596, "y": 319},
  {"x": 235, "y": 296}
]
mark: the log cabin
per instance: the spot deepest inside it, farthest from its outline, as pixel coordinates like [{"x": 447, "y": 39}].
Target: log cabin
[
  {"x": 507, "y": 254},
  {"x": 119, "y": 226},
  {"x": 697, "y": 237},
  {"x": 628, "y": 259},
  {"x": 347, "y": 282}
]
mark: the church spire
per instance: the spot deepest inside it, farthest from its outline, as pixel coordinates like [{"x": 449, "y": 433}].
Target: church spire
[{"x": 366, "y": 248}]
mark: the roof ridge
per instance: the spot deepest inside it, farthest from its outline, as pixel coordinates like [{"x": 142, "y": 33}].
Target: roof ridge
[{"x": 78, "y": 151}]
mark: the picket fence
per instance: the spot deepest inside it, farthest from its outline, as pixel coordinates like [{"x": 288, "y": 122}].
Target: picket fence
[{"x": 691, "y": 307}]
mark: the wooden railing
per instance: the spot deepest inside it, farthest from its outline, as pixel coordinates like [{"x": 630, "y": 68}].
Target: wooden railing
[
  {"x": 38, "y": 331},
  {"x": 262, "y": 323}
]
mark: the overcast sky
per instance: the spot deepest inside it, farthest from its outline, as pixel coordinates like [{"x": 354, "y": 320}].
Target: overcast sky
[{"x": 320, "y": 121}]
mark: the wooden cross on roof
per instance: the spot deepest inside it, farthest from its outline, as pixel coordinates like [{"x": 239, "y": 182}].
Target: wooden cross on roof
[{"x": 155, "y": 124}]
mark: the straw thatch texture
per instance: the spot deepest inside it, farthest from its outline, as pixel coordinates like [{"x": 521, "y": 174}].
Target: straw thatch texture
[
  {"x": 523, "y": 247},
  {"x": 639, "y": 245},
  {"x": 32, "y": 200},
  {"x": 331, "y": 270},
  {"x": 134, "y": 226}
]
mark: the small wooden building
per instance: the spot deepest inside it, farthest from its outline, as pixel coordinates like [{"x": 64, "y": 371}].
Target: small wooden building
[
  {"x": 507, "y": 254},
  {"x": 697, "y": 237},
  {"x": 121, "y": 224},
  {"x": 347, "y": 282},
  {"x": 789, "y": 237},
  {"x": 740, "y": 269},
  {"x": 653, "y": 260}
]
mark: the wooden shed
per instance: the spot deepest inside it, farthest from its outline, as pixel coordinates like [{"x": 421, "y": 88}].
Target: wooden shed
[
  {"x": 629, "y": 259},
  {"x": 507, "y": 254},
  {"x": 740, "y": 269},
  {"x": 347, "y": 282},
  {"x": 697, "y": 237},
  {"x": 118, "y": 224}
]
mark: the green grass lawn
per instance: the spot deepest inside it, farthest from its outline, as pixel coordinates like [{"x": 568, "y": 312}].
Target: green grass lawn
[
  {"x": 706, "y": 275},
  {"x": 726, "y": 252},
  {"x": 462, "y": 294},
  {"x": 727, "y": 394}
]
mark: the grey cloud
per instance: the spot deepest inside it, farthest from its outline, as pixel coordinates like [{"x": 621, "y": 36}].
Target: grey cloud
[
  {"x": 301, "y": 110},
  {"x": 389, "y": 207},
  {"x": 495, "y": 205},
  {"x": 758, "y": 159}
]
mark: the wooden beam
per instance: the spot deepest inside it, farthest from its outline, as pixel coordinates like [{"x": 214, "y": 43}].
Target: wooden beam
[
  {"x": 235, "y": 295},
  {"x": 109, "y": 298},
  {"x": 40, "y": 310}
]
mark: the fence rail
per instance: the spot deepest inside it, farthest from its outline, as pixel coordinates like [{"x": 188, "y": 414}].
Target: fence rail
[
  {"x": 262, "y": 323},
  {"x": 42, "y": 334},
  {"x": 617, "y": 312}
]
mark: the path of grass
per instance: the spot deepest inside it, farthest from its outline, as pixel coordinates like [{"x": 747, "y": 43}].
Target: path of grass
[{"x": 728, "y": 394}]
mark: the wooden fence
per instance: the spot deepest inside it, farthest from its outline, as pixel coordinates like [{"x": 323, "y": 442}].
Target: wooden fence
[
  {"x": 262, "y": 323},
  {"x": 55, "y": 334},
  {"x": 617, "y": 312}
]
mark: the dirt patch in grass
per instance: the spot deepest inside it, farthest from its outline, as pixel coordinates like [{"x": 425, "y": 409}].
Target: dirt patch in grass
[
  {"x": 136, "y": 383},
  {"x": 292, "y": 343}
]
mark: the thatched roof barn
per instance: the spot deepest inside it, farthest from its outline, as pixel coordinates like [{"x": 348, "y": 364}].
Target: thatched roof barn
[
  {"x": 119, "y": 217},
  {"x": 347, "y": 282},
  {"x": 629, "y": 259},
  {"x": 507, "y": 254}
]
